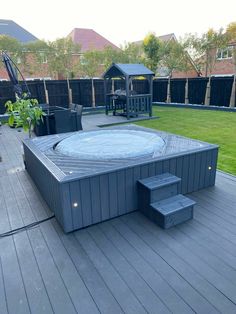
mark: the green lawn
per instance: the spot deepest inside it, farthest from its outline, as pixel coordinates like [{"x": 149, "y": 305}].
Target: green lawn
[{"x": 217, "y": 127}]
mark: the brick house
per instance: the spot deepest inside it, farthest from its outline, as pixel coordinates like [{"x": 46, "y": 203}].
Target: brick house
[{"x": 224, "y": 64}]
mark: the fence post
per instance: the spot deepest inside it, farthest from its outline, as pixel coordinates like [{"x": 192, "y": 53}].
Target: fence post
[
  {"x": 232, "y": 97},
  {"x": 45, "y": 92},
  {"x": 168, "y": 98},
  {"x": 69, "y": 93},
  {"x": 186, "y": 100},
  {"x": 93, "y": 94},
  {"x": 208, "y": 93}
]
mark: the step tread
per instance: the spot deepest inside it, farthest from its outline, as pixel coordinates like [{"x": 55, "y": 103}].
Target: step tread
[
  {"x": 159, "y": 181},
  {"x": 172, "y": 204}
]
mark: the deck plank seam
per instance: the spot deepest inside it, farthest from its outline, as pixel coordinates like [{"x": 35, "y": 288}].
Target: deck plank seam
[
  {"x": 147, "y": 261},
  {"x": 120, "y": 252},
  {"x": 204, "y": 276},
  {"x": 30, "y": 243},
  {"x": 199, "y": 274},
  {"x": 76, "y": 236}
]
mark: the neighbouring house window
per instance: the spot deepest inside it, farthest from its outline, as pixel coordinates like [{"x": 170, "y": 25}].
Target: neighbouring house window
[
  {"x": 225, "y": 53},
  {"x": 43, "y": 58}
]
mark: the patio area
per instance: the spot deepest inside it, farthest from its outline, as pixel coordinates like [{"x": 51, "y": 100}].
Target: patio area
[{"x": 125, "y": 265}]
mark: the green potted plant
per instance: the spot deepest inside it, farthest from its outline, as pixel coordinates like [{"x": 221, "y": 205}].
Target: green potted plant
[{"x": 25, "y": 113}]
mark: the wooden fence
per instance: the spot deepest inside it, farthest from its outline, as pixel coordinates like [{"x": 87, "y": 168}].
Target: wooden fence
[{"x": 218, "y": 91}]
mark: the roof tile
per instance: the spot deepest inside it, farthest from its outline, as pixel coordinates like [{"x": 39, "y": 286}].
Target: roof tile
[{"x": 88, "y": 39}]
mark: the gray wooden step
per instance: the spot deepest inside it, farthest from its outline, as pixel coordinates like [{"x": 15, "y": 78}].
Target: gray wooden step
[
  {"x": 160, "y": 181},
  {"x": 157, "y": 188},
  {"x": 171, "y": 211}
]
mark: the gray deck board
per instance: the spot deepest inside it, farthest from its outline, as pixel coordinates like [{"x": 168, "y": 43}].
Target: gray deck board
[
  {"x": 123, "y": 294},
  {"x": 3, "y": 302},
  {"x": 198, "y": 264},
  {"x": 133, "y": 279},
  {"x": 125, "y": 265},
  {"x": 94, "y": 282},
  {"x": 186, "y": 283},
  {"x": 167, "y": 251},
  {"x": 164, "y": 291}
]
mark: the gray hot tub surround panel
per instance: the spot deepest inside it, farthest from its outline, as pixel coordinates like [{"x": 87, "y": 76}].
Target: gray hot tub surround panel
[{"x": 83, "y": 192}]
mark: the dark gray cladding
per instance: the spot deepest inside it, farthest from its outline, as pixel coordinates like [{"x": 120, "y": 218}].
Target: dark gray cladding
[{"x": 83, "y": 192}]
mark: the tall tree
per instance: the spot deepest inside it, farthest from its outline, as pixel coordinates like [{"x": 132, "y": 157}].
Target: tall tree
[
  {"x": 152, "y": 51},
  {"x": 110, "y": 55},
  {"x": 37, "y": 55},
  {"x": 204, "y": 48},
  {"x": 91, "y": 64},
  {"x": 131, "y": 53},
  {"x": 174, "y": 56},
  {"x": 63, "y": 60},
  {"x": 11, "y": 46}
]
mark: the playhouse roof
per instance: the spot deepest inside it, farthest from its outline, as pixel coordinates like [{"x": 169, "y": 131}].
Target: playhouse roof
[{"x": 130, "y": 69}]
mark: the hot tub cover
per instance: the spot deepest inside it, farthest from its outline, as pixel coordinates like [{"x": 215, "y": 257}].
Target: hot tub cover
[{"x": 111, "y": 144}]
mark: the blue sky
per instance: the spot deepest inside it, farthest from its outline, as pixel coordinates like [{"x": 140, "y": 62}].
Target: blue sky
[{"x": 119, "y": 21}]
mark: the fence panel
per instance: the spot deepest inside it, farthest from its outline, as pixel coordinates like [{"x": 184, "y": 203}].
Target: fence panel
[
  {"x": 58, "y": 93},
  {"x": 6, "y": 93},
  {"x": 141, "y": 86},
  {"x": 177, "y": 90},
  {"x": 160, "y": 90},
  {"x": 86, "y": 92},
  {"x": 221, "y": 91},
  {"x": 99, "y": 92},
  {"x": 76, "y": 91},
  {"x": 197, "y": 90},
  {"x": 37, "y": 90}
]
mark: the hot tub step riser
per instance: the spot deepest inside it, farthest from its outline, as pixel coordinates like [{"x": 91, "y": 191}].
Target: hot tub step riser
[
  {"x": 157, "y": 188},
  {"x": 164, "y": 192},
  {"x": 146, "y": 196},
  {"x": 178, "y": 214}
]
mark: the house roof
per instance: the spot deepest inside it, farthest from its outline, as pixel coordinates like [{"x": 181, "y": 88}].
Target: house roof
[
  {"x": 164, "y": 38},
  {"x": 12, "y": 29},
  {"x": 128, "y": 69},
  {"x": 167, "y": 37},
  {"x": 89, "y": 39}
]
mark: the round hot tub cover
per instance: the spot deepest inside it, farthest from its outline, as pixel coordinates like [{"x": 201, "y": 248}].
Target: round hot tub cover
[{"x": 111, "y": 144}]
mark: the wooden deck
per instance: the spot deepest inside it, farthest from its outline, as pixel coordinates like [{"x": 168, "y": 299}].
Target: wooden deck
[{"x": 125, "y": 265}]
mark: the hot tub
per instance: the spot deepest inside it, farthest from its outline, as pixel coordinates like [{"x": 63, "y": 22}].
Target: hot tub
[{"x": 89, "y": 177}]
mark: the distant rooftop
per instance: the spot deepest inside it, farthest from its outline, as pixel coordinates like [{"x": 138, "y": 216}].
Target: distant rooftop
[
  {"x": 88, "y": 39},
  {"x": 164, "y": 38},
  {"x": 12, "y": 29}
]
